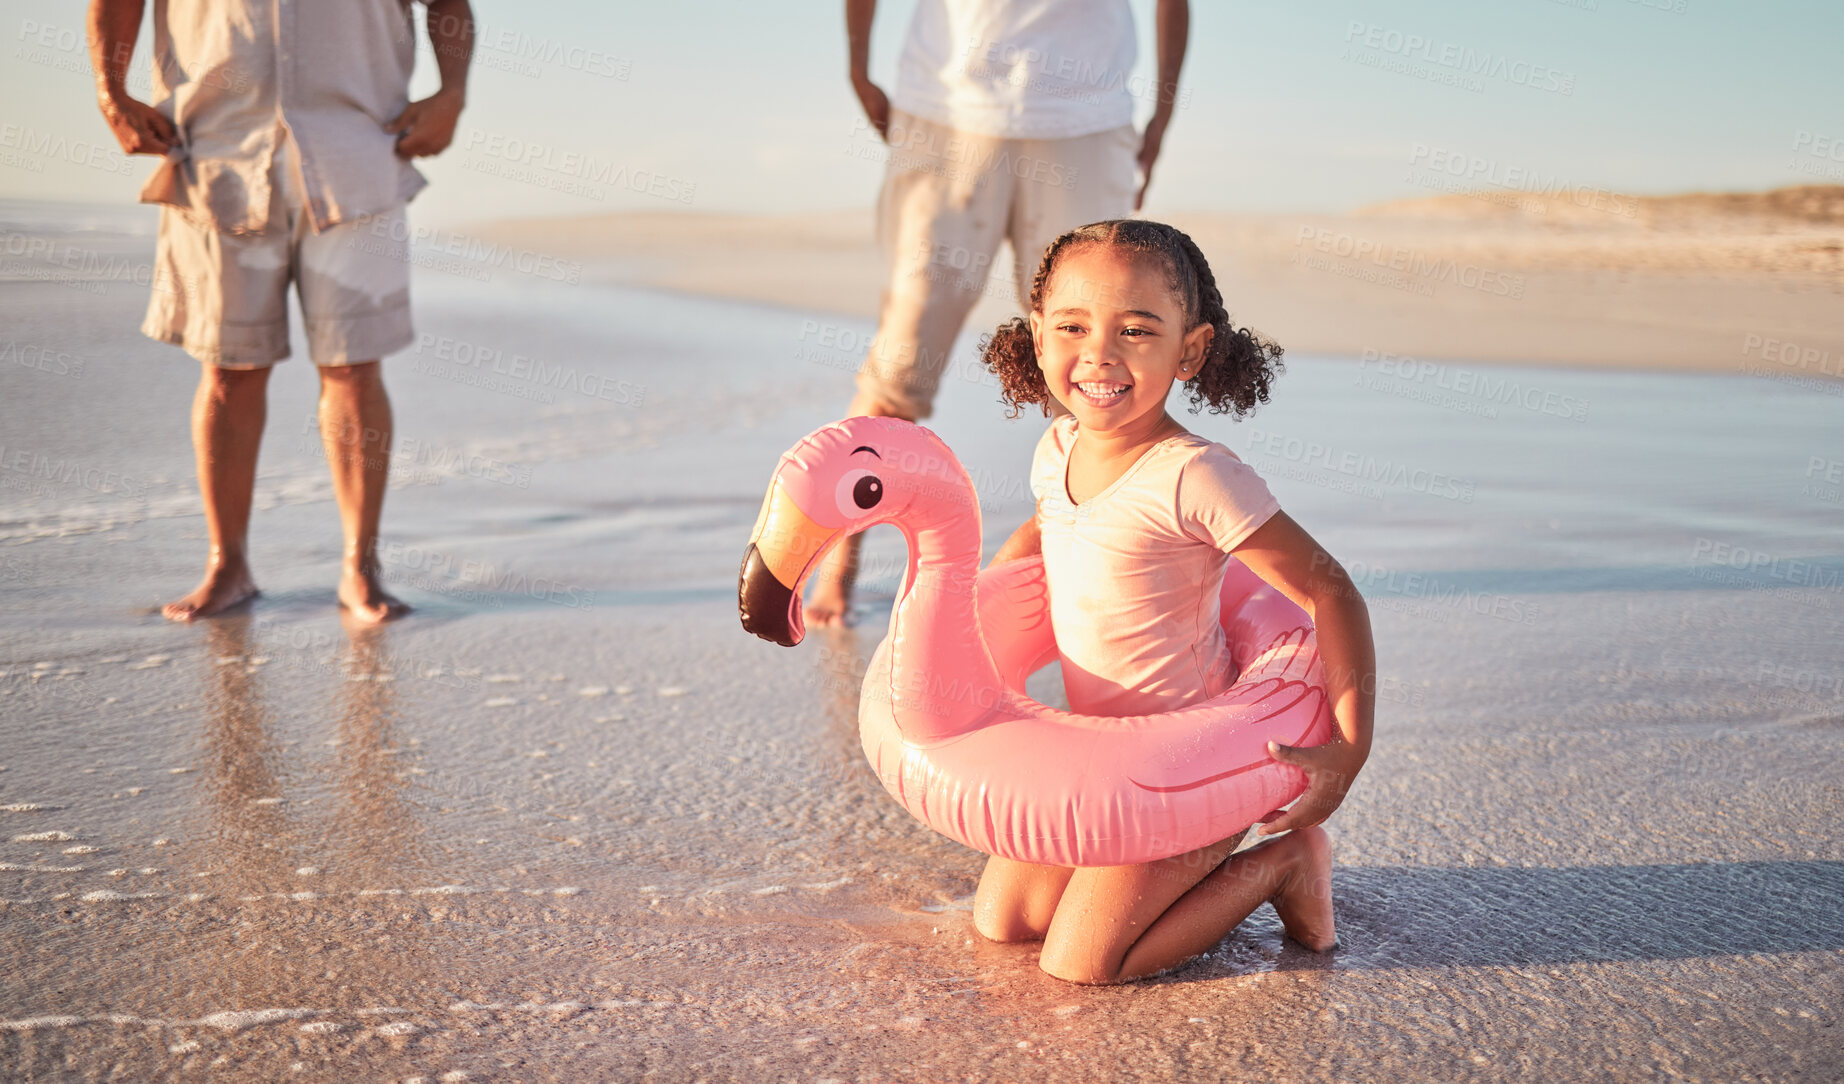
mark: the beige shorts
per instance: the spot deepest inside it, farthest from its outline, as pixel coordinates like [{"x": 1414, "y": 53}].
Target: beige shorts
[
  {"x": 949, "y": 198},
  {"x": 224, "y": 297}
]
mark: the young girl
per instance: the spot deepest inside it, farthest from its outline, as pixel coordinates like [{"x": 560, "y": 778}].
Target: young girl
[{"x": 1135, "y": 521}]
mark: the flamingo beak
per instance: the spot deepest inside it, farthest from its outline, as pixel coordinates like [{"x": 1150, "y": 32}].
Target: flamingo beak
[{"x": 783, "y": 550}]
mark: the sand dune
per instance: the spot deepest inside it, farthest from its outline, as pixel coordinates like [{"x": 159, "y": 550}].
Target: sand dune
[{"x": 1815, "y": 204}]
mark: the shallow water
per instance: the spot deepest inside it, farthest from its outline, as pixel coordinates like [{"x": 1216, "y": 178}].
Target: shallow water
[{"x": 569, "y": 822}]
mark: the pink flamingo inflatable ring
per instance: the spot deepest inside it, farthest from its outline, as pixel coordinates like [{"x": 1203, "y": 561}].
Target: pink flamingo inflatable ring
[{"x": 943, "y": 716}]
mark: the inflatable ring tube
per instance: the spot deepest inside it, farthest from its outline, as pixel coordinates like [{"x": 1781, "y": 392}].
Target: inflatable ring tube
[{"x": 943, "y": 715}]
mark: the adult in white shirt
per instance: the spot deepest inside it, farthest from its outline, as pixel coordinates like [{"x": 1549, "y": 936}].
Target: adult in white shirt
[{"x": 1012, "y": 121}]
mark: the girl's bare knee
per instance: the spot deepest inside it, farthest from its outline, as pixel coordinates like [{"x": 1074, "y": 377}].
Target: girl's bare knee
[
  {"x": 1080, "y": 968},
  {"x": 1005, "y": 928},
  {"x": 1015, "y": 901},
  {"x": 999, "y": 914}
]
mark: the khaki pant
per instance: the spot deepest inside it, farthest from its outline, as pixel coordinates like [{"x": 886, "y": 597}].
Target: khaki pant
[{"x": 948, "y": 199}]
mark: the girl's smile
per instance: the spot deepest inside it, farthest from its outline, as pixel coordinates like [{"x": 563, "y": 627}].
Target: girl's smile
[
  {"x": 1103, "y": 393},
  {"x": 1111, "y": 338}
]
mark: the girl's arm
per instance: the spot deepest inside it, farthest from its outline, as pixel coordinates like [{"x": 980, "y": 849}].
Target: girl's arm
[
  {"x": 1282, "y": 553},
  {"x": 1026, "y": 541}
]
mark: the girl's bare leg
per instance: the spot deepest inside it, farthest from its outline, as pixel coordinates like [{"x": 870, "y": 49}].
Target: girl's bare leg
[
  {"x": 1016, "y": 900},
  {"x": 1119, "y": 923}
]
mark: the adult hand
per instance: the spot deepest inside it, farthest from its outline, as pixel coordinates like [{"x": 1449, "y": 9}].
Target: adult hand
[
  {"x": 427, "y": 127},
  {"x": 138, "y": 127},
  {"x": 1150, "y": 143},
  {"x": 876, "y": 106},
  {"x": 1330, "y": 770}
]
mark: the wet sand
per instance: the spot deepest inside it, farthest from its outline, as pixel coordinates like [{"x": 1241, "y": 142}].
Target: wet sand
[{"x": 568, "y": 822}]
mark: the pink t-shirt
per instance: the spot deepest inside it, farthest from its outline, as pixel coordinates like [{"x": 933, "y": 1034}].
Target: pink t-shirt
[{"x": 1135, "y": 571}]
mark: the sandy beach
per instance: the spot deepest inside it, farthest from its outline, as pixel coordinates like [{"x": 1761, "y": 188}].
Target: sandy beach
[
  {"x": 1709, "y": 283},
  {"x": 568, "y": 822}
]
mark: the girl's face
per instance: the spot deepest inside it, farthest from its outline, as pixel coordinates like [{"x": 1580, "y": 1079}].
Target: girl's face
[{"x": 1111, "y": 338}]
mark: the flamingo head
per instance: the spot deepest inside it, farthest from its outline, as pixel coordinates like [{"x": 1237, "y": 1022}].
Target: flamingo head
[{"x": 837, "y": 481}]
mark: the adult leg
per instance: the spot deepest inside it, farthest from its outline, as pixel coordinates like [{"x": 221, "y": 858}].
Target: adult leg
[
  {"x": 1119, "y": 923},
  {"x": 1017, "y": 900},
  {"x": 1067, "y": 183},
  {"x": 228, "y": 412},
  {"x": 223, "y": 297},
  {"x": 354, "y": 282},
  {"x": 941, "y": 216},
  {"x": 355, "y": 427}
]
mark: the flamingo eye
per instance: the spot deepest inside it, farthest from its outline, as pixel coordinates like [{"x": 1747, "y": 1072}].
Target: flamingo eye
[{"x": 859, "y": 492}]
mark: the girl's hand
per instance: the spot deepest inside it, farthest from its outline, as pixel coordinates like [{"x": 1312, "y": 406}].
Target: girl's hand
[
  {"x": 1026, "y": 541},
  {"x": 1330, "y": 770}
]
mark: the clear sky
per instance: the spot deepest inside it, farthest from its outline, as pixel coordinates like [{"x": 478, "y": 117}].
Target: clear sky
[{"x": 743, "y": 105}]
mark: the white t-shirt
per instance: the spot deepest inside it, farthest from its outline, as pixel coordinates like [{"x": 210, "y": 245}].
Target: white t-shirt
[{"x": 1020, "y": 69}]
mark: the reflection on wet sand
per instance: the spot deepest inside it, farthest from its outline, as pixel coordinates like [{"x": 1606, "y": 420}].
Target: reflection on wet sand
[
  {"x": 244, "y": 814},
  {"x": 373, "y": 833},
  {"x": 838, "y": 669},
  {"x": 272, "y": 835}
]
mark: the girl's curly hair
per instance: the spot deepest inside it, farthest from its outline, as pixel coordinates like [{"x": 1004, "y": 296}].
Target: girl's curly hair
[{"x": 1238, "y": 364}]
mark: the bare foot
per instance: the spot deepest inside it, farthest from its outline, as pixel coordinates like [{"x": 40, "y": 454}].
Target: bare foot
[
  {"x": 827, "y": 605},
  {"x": 225, "y": 585},
  {"x": 365, "y": 600},
  {"x": 829, "y": 600},
  {"x": 1304, "y": 899}
]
